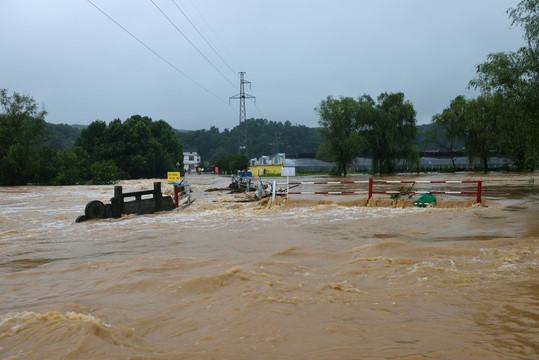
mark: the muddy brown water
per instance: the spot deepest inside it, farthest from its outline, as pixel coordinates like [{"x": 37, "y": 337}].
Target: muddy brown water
[{"x": 308, "y": 278}]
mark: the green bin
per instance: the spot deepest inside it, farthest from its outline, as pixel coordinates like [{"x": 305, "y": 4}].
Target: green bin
[{"x": 425, "y": 200}]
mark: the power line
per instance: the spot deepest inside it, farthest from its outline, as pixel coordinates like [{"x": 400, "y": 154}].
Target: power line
[
  {"x": 155, "y": 53},
  {"x": 256, "y": 104},
  {"x": 192, "y": 44},
  {"x": 203, "y": 37},
  {"x": 260, "y": 111},
  {"x": 217, "y": 37},
  {"x": 214, "y": 33}
]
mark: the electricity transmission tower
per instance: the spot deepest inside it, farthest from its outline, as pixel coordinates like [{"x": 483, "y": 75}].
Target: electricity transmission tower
[{"x": 242, "y": 96}]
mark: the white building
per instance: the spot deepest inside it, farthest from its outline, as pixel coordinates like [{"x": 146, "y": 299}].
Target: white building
[{"x": 191, "y": 159}]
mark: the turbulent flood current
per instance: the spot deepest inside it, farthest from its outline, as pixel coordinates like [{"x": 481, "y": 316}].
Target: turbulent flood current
[{"x": 314, "y": 277}]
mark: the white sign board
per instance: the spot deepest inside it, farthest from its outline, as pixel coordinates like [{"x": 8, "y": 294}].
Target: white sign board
[{"x": 288, "y": 171}]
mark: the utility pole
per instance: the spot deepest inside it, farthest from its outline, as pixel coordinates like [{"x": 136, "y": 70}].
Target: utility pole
[{"x": 242, "y": 96}]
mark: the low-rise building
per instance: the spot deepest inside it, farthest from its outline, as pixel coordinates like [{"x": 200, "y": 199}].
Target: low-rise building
[
  {"x": 266, "y": 165},
  {"x": 191, "y": 159}
]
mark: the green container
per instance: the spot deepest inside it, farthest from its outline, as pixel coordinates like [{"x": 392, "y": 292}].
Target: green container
[{"x": 425, "y": 200}]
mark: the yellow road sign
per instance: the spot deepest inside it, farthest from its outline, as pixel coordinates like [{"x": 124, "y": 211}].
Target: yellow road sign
[{"x": 173, "y": 177}]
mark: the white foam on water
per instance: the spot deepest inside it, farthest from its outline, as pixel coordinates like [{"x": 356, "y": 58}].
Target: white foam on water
[{"x": 221, "y": 217}]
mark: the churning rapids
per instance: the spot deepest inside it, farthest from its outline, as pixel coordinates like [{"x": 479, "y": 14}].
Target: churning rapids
[{"x": 318, "y": 278}]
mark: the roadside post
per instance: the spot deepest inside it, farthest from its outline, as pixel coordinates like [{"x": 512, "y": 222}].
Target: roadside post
[
  {"x": 173, "y": 178},
  {"x": 259, "y": 186},
  {"x": 479, "y": 189},
  {"x": 288, "y": 171}
]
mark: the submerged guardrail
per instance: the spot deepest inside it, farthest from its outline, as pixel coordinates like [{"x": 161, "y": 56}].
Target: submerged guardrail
[
  {"x": 271, "y": 187},
  {"x": 477, "y": 192}
]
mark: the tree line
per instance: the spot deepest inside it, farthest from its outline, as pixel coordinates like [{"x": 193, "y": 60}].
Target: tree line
[
  {"x": 384, "y": 130},
  {"x": 101, "y": 153},
  {"x": 140, "y": 147},
  {"x": 504, "y": 118},
  {"x": 256, "y": 137}
]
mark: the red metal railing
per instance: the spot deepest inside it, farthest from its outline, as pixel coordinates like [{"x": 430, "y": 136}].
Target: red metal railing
[{"x": 478, "y": 182}]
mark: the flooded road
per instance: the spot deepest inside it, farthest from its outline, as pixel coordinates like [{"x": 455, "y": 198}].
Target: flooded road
[{"x": 308, "y": 278}]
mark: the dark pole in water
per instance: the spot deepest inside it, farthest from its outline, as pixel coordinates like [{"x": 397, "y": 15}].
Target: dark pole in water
[
  {"x": 157, "y": 195},
  {"x": 117, "y": 202}
]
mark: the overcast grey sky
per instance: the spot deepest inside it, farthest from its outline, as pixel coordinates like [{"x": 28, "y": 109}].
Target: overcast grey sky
[{"x": 82, "y": 66}]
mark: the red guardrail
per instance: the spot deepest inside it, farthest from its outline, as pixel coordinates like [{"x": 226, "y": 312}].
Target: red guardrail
[
  {"x": 371, "y": 183},
  {"x": 478, "y": 182}
]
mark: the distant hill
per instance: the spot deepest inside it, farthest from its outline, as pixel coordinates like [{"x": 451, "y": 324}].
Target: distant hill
[
  {"x": 259, "y": 136},
  {"x": 263, "y": 138},
  {"x": 269, "y": 137},
  {"x": 62, "y": 136}
]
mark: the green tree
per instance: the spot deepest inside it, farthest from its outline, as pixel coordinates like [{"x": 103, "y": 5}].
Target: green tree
[
  {"x": 481, "y": 129},
  {"x": 167, "y": 150},
  {"x": 68, "y": 168},
  {"x": 137, "y": 154},
  {"x": 233, "y": 163},
  {"x": 93, "y": 140},
  {"x": 21, "y": 125},
  {"x": 514, "y": 77},
  {"x": 48, "y": 157},
  {"x": 387, "y": 130},
  {"x": 139, "y": 147},
  {"x": 105, "y": 172},
  {"x": 451, "y": 121},
  {"x": 338, "y": 128}
]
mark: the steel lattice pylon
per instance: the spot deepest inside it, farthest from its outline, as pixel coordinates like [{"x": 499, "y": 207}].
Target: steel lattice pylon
[{"x": 241, "y": 97}]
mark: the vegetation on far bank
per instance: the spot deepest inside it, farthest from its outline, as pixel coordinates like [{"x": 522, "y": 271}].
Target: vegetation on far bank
[
  {"x": 503, "y": 118},
  {"x": 101, "y": 154}
]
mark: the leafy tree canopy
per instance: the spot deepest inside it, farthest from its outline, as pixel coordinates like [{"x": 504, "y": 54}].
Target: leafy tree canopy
[
  {"x": 452, "y": 123},
  {"x": 232, "y": 163},
  {"x": 384, "y": 131},
  {"x": 338, "y": 128},
  {"x": 481, "y": 128},
  {"x": 21, "y": 125},
  {"x": 388, "y": 130},
  {"x": 512, "y": 79},
  {"x": 140, "y": 147}
]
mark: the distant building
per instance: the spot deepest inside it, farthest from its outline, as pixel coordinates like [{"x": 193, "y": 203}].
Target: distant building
[
  {"x": 272, "y": 164},
  {"x": 265, "y": 165},
  {"x": 432, "y": 160},
  {"x": 279, "y": 159},
  {"x": 191, "y": 159},
  {"x": 264, "y": 160}
]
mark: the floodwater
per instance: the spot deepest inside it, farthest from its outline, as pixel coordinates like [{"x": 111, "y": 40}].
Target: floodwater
[{"x": 308, "y": 278}]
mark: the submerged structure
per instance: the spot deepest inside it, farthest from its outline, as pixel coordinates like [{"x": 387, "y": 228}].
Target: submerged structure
[{"x": 96, "y": 209}]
